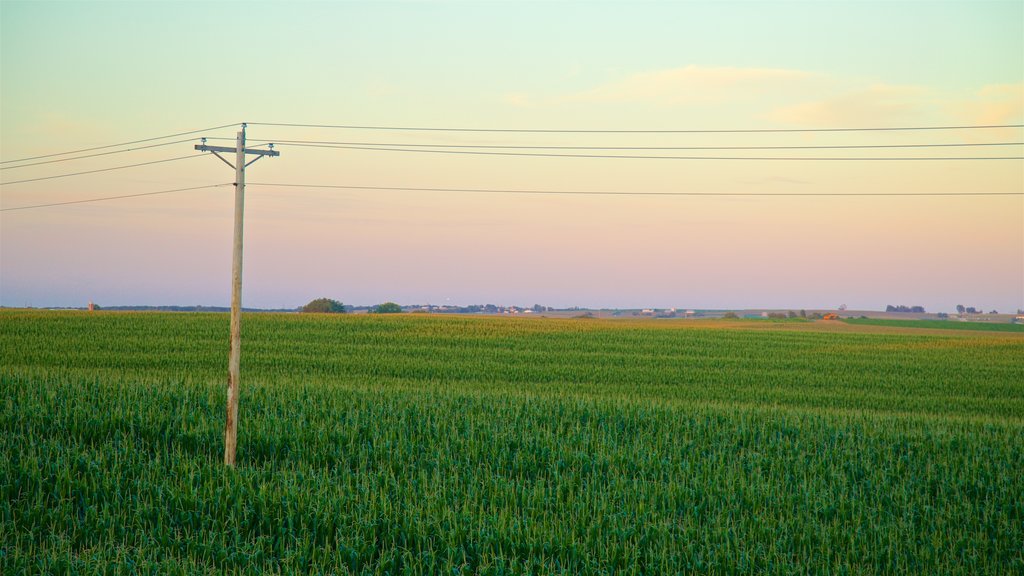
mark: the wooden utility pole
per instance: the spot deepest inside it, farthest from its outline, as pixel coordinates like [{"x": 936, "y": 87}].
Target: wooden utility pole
[{"x": 235, "y": 354}]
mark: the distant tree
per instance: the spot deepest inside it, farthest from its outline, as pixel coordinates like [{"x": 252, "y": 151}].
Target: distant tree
[
  {"x": 942, "y": 315},
  {"x": 387, "y": 308},
  {"x": 803, "y": 313},
  {"x": 730, "y": 315},
  {"x": 960, "y": 309},
  {"x": 814, "y": 316},
  {"x": 903, "y": 308},
  {"x": 791, "y": 314},
  {"x": 972, "y": 310},
  {"x": 994, "y": 312},
  {"x": 776, "y": 315},
  {"x": 324, "y": 306}
]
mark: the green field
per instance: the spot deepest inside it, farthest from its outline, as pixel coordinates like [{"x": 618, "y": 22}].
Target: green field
[
  {"x": 450, "y": 445},
  {"x": 941, "y": 324}
]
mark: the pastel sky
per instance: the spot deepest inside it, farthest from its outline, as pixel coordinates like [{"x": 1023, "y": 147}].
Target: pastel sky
[{"x": 75, "y": 75}]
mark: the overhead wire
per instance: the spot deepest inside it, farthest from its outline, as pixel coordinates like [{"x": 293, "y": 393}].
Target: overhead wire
[
  {"x": 266, "y": 141},
  {"x": 479, "y": 150},
  {"x": 622, "y": 193},
  {"x": 520, "y": 192},
  {"x": 685, "y": 131},
  {"x": 122, "y": 143},
  {"x": 98, "y": 154},
  {"x": 396, "y": 146},
  {"x": 638, "y": 157},
  {"x": 69, "y": 174},
  {"x": 85, "y": 201}
]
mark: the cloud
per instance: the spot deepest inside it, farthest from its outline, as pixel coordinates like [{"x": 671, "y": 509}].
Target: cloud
[
  {"x": 777, "y": 180},
  {"x": 692, "y": 84},
  {"x": 876, "y": 105},
  {"x": 517, "y": 99},
  {"x": 786, "y": 96},
  {"x": 992, "y": 104}
]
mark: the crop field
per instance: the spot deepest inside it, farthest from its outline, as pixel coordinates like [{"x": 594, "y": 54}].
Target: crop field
[
  {"x": 941, "y": 324},
  {"x": 416, "y": 444}
]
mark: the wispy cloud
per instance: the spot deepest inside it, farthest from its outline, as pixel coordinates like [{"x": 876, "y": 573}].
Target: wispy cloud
[
  {"x": 875, "y": 105},
  {"x": 992, "y": 104},
  {"x": 692, "y": 84},
  {"x": 791, "y": 97},
  {"x": 777, "y": 180},
  {"x": 517, "y": 99}
]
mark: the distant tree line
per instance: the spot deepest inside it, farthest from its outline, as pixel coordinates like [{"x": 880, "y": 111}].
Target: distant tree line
[
  {"x": 961, "y": 309},
  {"x": 902, "y": 308},
  {"x": 187, "y": 309}
]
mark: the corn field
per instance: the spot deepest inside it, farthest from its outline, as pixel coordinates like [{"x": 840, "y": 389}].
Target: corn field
[{"x": 417, "y": 444}]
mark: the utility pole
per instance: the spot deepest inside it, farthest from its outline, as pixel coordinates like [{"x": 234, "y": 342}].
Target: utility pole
[{"x": 235, "y": 354}]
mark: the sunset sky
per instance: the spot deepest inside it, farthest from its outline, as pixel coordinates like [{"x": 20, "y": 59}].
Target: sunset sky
[{"x": 76, "y": 75}]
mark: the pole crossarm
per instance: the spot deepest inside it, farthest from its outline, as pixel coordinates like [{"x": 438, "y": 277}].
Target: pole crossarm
[
  {"x": 216, "y": 149},
  {"x": 232, "y": 149}
]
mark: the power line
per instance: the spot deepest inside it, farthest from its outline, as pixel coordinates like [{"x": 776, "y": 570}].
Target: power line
[
  {"x": 636, "y": 157},
  {"x": 112, "y": 197},
  {"x": 120, "y": 144},
  {"x": 513, "y": 191},
  {"x": 98, "y": 154},
  {"x": 100, "y": 170},
  {"x": 720, "y": 131},
  {"x": 624, "y": 193},
  {"x": 537, "y": 147}
]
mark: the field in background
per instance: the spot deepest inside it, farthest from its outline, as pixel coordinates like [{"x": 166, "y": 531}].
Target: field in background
[
  {"x": 940, "y": 324},
  {"x": 429, "y": 445}
]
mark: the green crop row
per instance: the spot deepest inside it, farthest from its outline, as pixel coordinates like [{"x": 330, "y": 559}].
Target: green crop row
[
  {"x": 427, "y": 445},
  {"x": 942, "y": 324}
]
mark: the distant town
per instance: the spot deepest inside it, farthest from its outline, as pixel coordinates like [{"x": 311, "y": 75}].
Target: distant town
[{"x": 964, "y": 313}]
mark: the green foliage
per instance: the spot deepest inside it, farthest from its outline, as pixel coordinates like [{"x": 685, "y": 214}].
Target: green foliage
[
  {"x": 325, "y": 305},
  {"x": 387, "y": 308},
  {"x": 944, "y": 324},
  {"x": 444, "y": 445}
]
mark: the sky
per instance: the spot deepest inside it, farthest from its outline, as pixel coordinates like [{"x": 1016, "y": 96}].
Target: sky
[{"x": 77, "y": 75}]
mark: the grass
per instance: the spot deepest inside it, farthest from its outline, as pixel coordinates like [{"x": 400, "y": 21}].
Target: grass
[
  {"x": 427, "y": 445},
  {"x": 943, "y": 324}
]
